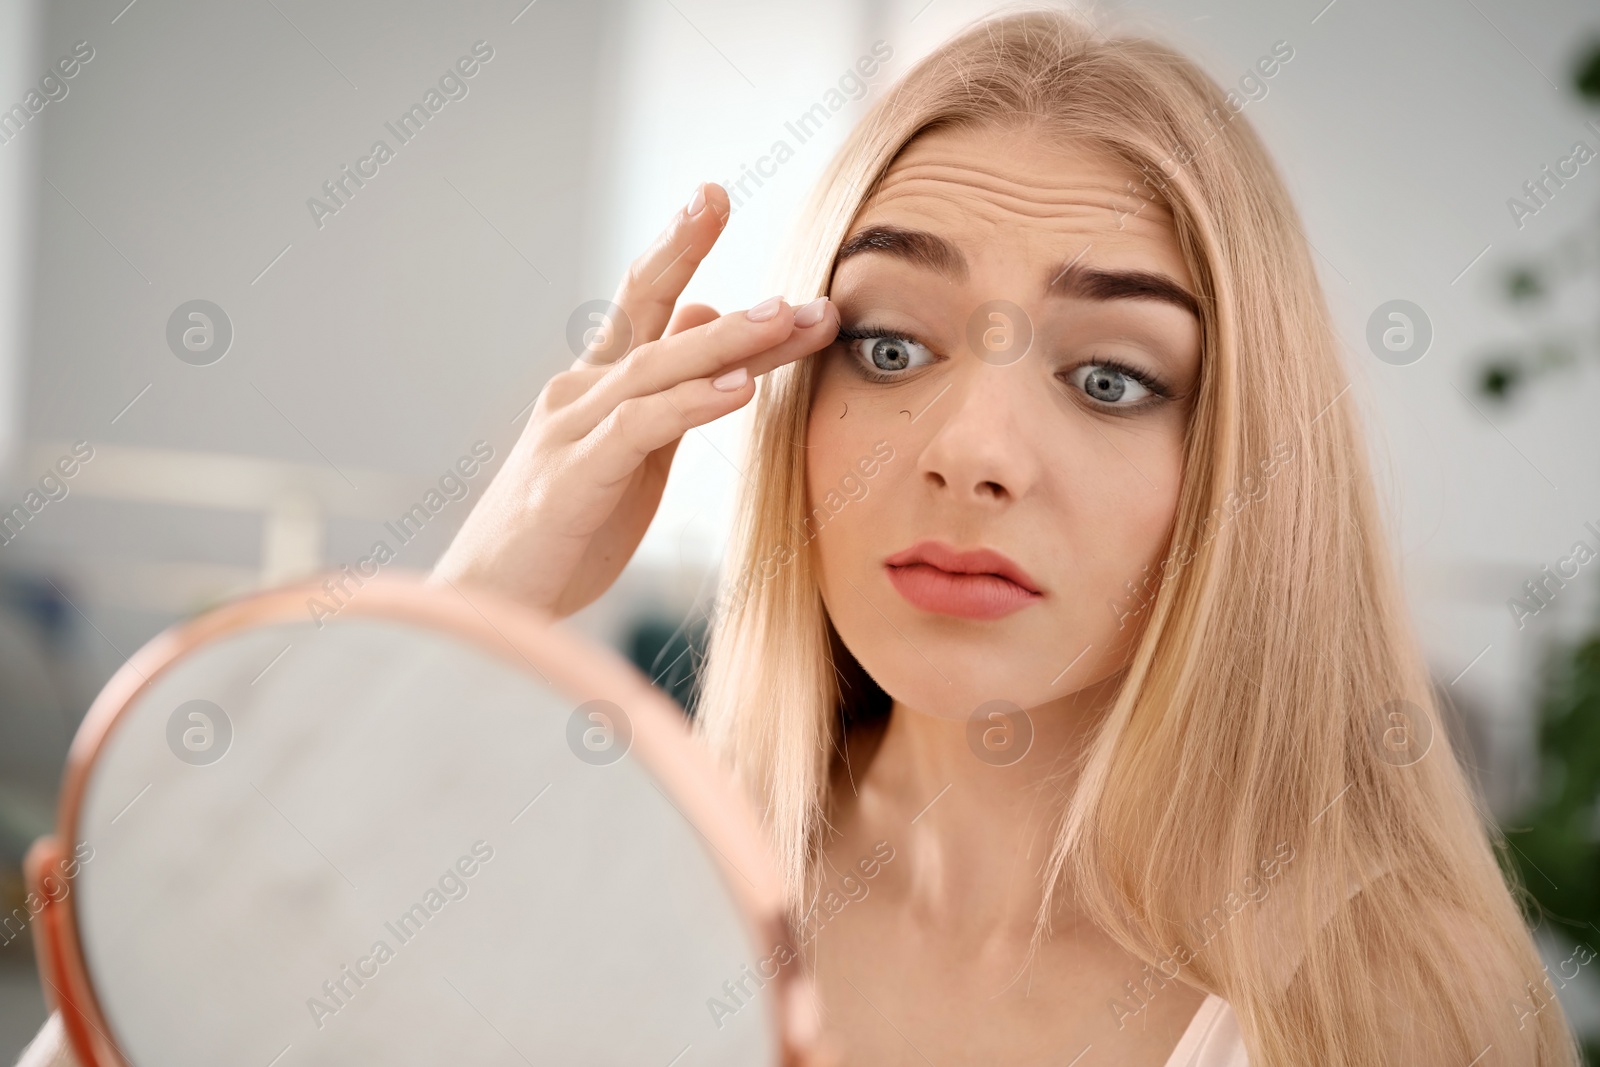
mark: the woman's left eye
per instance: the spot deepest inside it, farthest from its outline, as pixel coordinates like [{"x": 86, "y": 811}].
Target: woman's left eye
[{"x": 1109, "y": 385}]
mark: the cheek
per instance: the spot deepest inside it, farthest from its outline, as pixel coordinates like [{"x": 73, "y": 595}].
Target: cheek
[
  {"x": 1134, "y": 534},
  {"x": 842, "y": 473},
  {"x": 1136, "y": 495},
  {"x": 1119, "y": 505},
  {"x": 848, "y": 486}
]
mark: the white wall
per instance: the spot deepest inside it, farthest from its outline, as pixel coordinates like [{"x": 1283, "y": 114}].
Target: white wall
[
  {"x": 18, "y": 159},
  {"x": 369, "y": 352}
]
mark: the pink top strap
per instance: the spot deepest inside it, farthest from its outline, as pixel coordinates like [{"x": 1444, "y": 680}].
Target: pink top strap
[{"x": 1212, "y": 1039}]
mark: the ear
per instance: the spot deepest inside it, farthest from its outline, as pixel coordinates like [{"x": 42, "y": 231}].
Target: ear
[{"x": 65, "y": 989}]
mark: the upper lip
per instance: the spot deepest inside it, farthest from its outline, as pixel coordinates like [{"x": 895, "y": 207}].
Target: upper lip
[{"x": 963, "y": 561}]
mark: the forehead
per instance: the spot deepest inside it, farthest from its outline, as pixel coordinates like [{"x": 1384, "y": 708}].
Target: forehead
[{"x": 1011, "y": 198}]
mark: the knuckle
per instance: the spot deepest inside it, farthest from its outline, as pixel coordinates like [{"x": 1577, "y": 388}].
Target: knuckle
[
  {"x": 561, "y": 389},
  {"x": 623, "y": 423},
  {"x": 634, "y": 369},
  {"x": 644, "y": 266},
  {"x": 552, "y": 394},
  {"x": 634, "y": 277}
]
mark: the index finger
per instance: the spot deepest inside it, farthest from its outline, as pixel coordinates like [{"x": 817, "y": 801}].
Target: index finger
[{"x": 654, "y": 282}]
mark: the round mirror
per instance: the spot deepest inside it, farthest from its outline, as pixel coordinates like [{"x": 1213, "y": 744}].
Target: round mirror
[{"x": 429, "y": 827}]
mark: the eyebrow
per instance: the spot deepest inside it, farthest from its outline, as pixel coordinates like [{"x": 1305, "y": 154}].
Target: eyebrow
[
  {"x": 932, "y": 252},
  {"x": 917, "y": 247}
]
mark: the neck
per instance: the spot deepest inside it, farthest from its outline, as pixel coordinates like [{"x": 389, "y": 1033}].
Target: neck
[{"x": 973, "y": 807}]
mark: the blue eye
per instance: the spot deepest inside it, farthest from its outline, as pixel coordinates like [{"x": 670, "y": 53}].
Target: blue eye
[
  {"x": 1110, "y": 384},
  {"x": 880, "y": 355}
]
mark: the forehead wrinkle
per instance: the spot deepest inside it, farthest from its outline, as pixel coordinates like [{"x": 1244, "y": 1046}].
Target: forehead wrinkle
[
  {"x": 1057, "y": 197},
  {"x": 1076, "y": 222},
  {"x": 1064, "y": 204},
  {"x": 1045, "y": 188}
]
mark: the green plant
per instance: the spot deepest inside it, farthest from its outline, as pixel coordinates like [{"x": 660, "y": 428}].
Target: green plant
[
  {"x": 1556, "y": 852},
  {"x": 1534, "y": 284}
]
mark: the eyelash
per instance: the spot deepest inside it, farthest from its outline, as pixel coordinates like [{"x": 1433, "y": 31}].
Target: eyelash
[{"x": 848, "y": 335}]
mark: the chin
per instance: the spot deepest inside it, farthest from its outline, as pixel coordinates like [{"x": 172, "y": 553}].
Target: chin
[{"x": 951, "y": 686}]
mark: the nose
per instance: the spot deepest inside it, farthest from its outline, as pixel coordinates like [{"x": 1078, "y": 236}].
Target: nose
[{"x": 979, "y": 450}]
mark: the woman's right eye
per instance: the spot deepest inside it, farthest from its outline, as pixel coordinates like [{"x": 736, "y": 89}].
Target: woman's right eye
[{"x": 881, "y": 356}]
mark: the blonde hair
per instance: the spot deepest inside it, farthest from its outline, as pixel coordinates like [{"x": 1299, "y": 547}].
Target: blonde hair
[{"x": 1275, "y": 643}]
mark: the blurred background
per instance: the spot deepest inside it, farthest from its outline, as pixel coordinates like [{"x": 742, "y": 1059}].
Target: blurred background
[{"x": 356, "y": 336}]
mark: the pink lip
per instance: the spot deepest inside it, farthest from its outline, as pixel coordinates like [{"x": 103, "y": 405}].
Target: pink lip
[{"x": 975, "y": 584}]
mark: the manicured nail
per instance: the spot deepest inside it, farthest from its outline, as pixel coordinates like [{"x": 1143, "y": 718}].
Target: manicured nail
[
  {"x": 765, "y": 310},
  {"x": 734, "y": 379},
  {"x": 812, "y": 313},
  {"x": 697, "y": 202}
]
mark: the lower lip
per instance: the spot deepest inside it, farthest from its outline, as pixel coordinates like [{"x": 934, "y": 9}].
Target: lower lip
[{"x": 970, "y": 596}]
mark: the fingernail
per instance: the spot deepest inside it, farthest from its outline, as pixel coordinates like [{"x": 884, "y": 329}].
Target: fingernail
[
  {"x": 734, "y": 379},
  {"x": 697, "y": 202},
  {"x": 765, "y": 310},
  {"x": 812, "y": 313}
]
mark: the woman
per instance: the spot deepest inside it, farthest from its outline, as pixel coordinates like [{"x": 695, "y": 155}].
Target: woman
[
  {"x": 1059, "y": 641},
  {"x": 1166, "y": 779}
]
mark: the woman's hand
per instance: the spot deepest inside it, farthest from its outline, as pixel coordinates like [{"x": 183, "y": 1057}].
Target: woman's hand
[{"x": 567, "y": 510}]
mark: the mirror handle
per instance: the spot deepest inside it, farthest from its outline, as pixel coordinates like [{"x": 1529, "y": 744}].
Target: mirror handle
[{"x": 63, "y": 983}]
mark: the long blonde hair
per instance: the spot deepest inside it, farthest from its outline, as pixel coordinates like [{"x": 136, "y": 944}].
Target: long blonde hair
[{"x": 1276, "y": 659}]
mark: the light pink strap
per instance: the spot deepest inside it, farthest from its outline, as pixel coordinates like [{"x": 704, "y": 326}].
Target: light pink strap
[
  {"x": 49, "y": 1047},
  {"x": 1212, "y": 1039}
]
